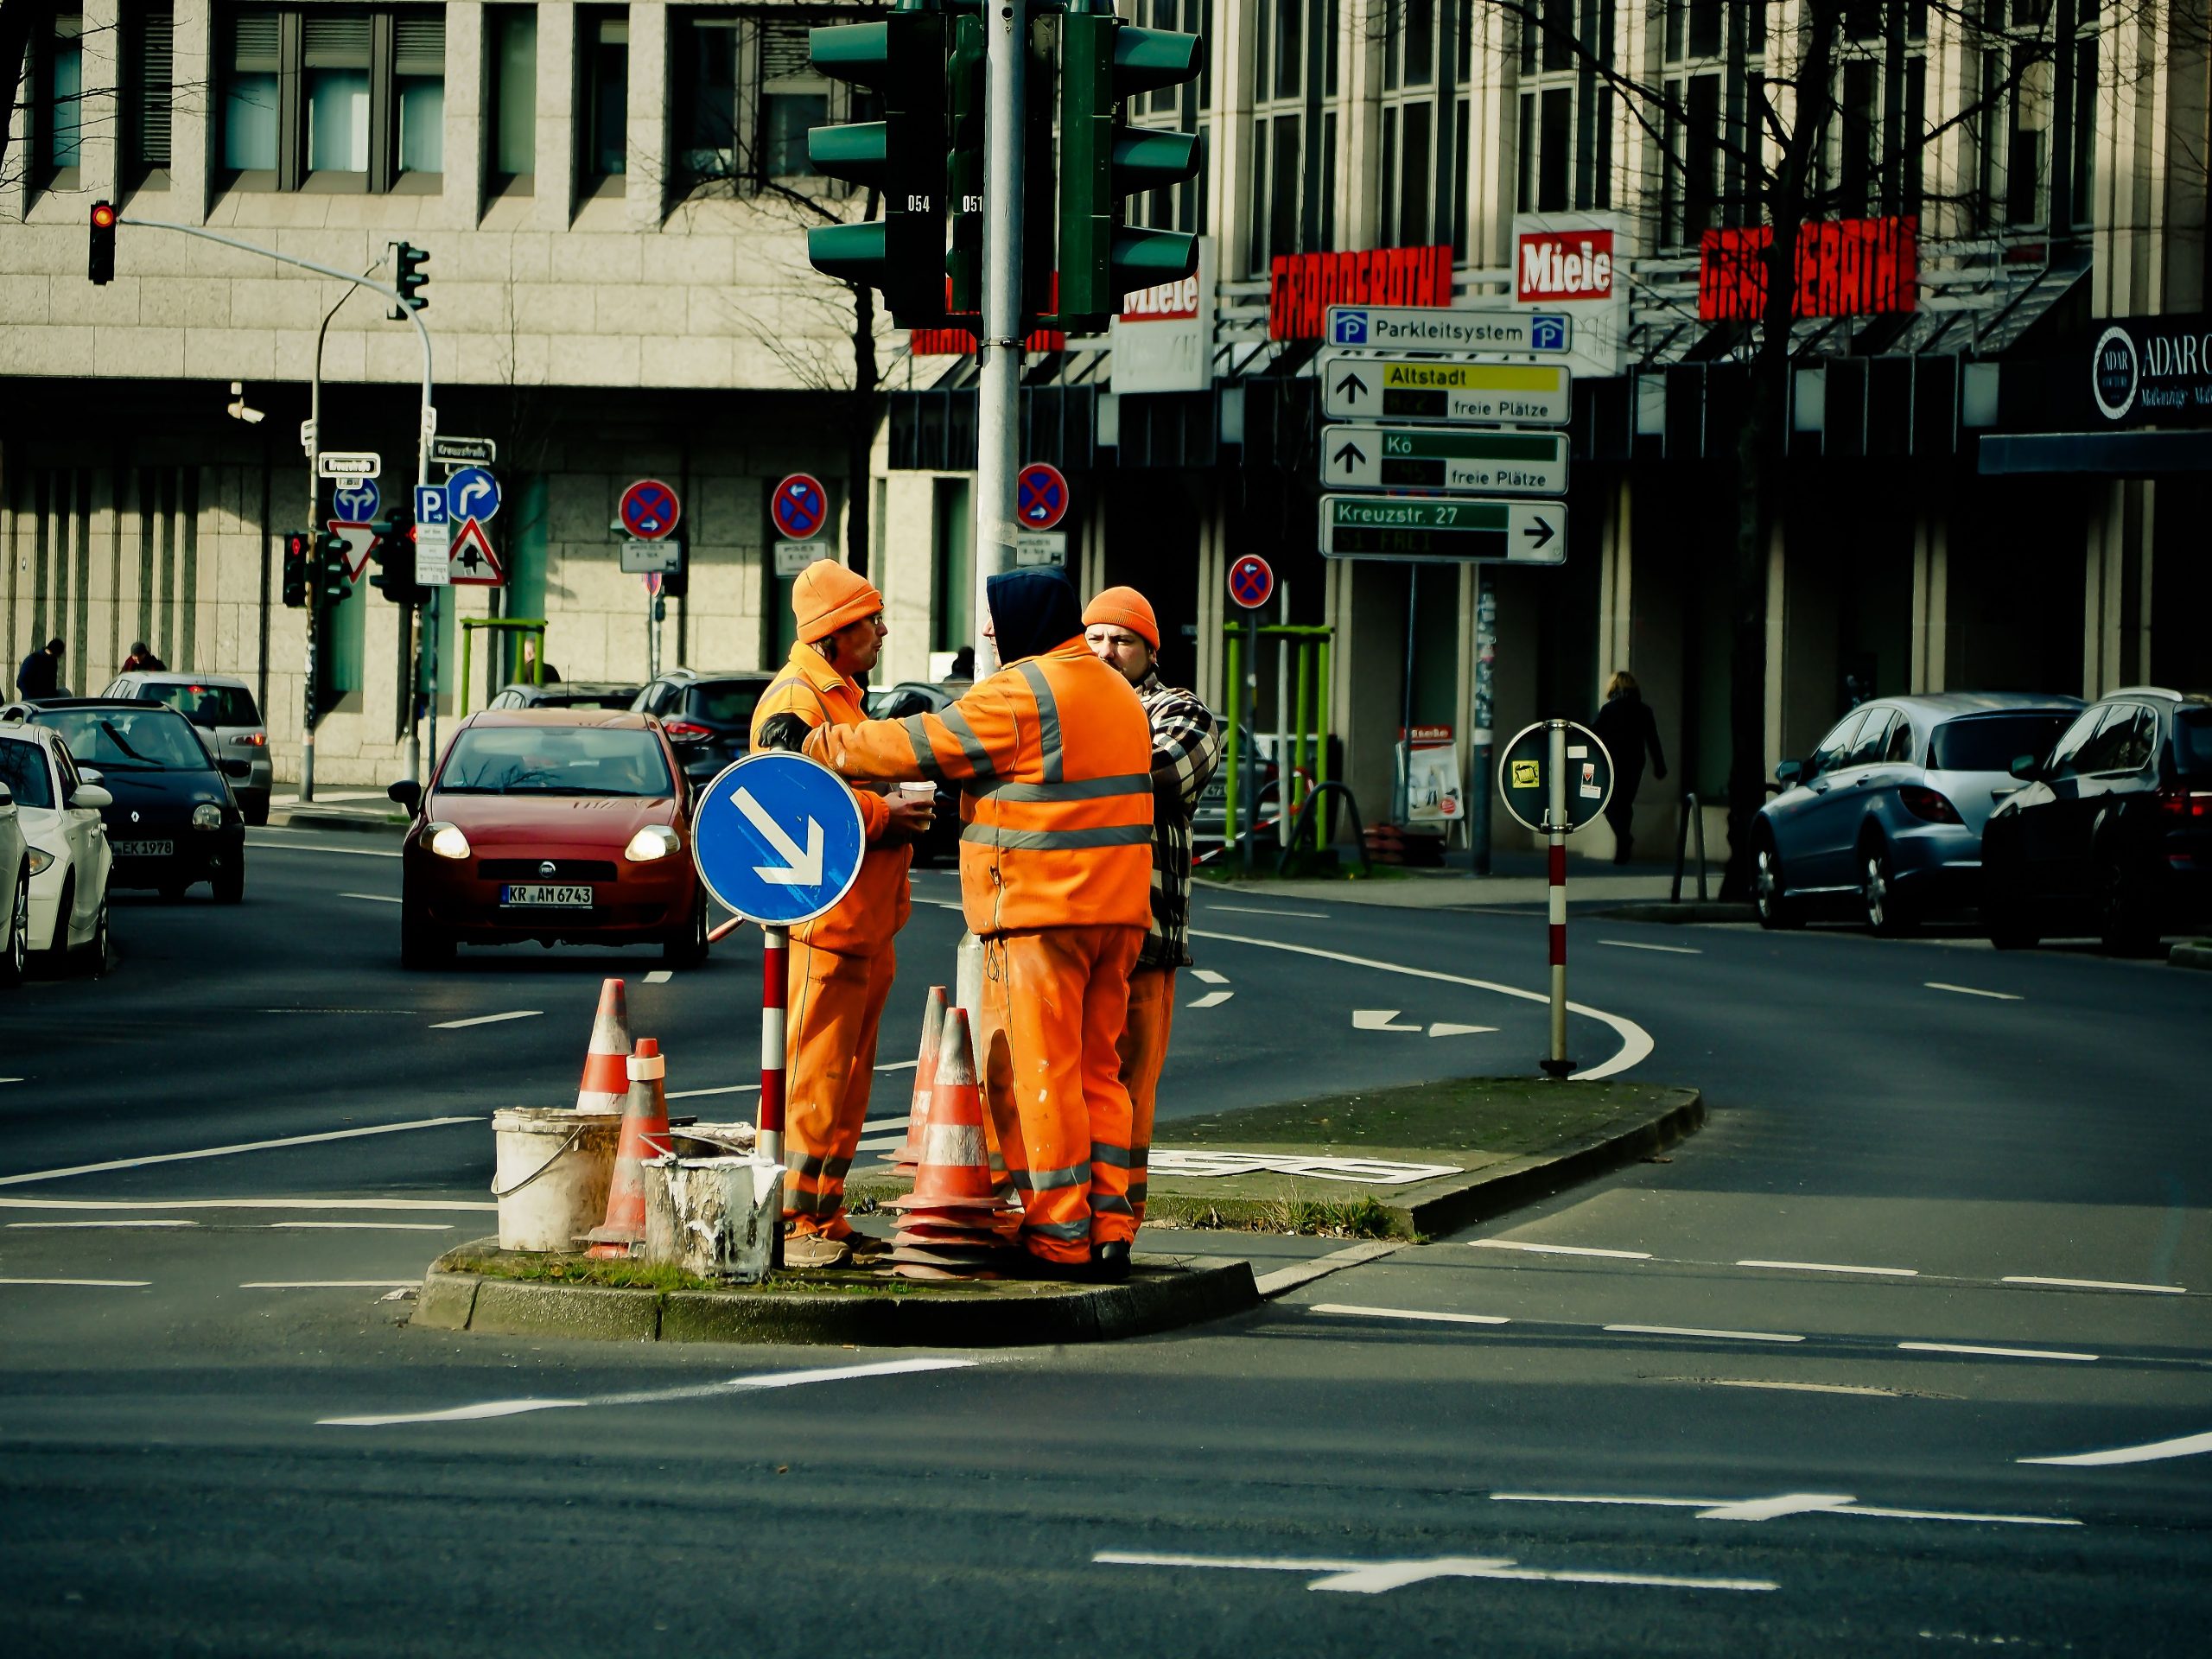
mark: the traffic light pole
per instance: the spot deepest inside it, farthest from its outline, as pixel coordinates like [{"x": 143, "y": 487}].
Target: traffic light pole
[
  {"x": 427, "y": 426},
  {"x": 998, "y": 395}
]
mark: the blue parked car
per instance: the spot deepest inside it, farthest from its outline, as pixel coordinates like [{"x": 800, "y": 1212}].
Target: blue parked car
[{"x": 1884, "y": 820}]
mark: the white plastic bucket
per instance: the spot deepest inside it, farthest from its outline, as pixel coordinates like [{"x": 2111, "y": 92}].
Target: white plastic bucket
[{"x": 553, "y": 1168}]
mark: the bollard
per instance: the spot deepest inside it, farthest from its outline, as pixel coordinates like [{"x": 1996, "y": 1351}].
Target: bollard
[
  {"x": 967, "y": 976},
  {"x": 1555, "y": 1063},
  {"x": 775, "y": 991}
]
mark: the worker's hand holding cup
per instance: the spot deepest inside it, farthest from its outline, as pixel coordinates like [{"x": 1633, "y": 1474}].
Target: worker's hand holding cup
[{"x": 913, "y": 806}]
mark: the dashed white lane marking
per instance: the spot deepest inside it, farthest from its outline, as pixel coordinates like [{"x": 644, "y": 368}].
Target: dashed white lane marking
[
  {"x": 256, "y": 1204},
  {"x": 10, "y": 1080},
  {"x": 1978, "y": 1350},
  {"x": 660, "y": 976},
  {"x": 487, "y": 1018},
  {"x": 1637, "y": 944},
  {"x": 1636, "y": 1041},
  {"x": 342, "y": 852},
  {"x": 1206, "y": 975},
  {"x": 1305, "y": 1273},
  {"x": 1556, "y": 1250},
  {"x": 1210, "y": 999},
  {"x": 1800, "y": 1388},
  {"x": 147, "y": 1221},
  {"x": 2093, "y": 1284},
  {"x": 1248, "y": 910},
  {"x": 1831, "y": 1266},
  {"x": 369, "y": 1226},
  {"x": 373, "y": 898},
  {"x": 90, "y": 1284},
  {"x": 1697, "y": 1330},
  {"x": 242, "y": 1145},
  {"x": 655, "y": 1396},
  {"x": 1373, "y": 1578},
  {"x": 328, "y": 1284},
  {"x": 2185, "y": 1446},
  {"x": 1355, "y": 1310},
  {"x": 1970, "y": 990},
  {"x": 1379, "y": 1019},
  {"x": 1781, "y": 1506}
]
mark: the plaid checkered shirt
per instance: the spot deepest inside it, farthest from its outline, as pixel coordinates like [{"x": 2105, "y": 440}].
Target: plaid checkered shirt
[{"x": 1186, "y": 750}]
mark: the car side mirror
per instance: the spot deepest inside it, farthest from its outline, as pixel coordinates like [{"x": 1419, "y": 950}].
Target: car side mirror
[
  {"x": 408, "y": 793},
  {"x": 1787, "y": 772},
  {"x": 2025, "y": 767},
  {"x": 87, "y": 775},
  {"x": 92, "y": 797}
]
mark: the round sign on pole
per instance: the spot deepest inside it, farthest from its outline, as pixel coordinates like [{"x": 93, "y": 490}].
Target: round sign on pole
[
  {"x": 802, "y": 506},
  {"x": 472, "y": 492},
  {"x": 1524, "y": 783},
  {"x": 1040, "y": 496},
  {"x": 777, "y": 838},
  {"x": 1251, "y": 582},
  {"x": 357, "y": 499},
  {"x": 649, "y": 509}
]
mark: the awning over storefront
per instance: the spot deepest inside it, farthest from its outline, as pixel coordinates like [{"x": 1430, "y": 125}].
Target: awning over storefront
[{"x": 2110, "y": 454}]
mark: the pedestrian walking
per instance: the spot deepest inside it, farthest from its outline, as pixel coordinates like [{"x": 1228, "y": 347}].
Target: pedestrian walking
[
  {"x": 142, "y": 659},
  {"x": 843, "y": 962},
  {"x": 1054, "y": 753},
  {"x": 1625, "y": 727},
  {"x": 40, "y": 673},
  {"x": 1120, "y": 626}
]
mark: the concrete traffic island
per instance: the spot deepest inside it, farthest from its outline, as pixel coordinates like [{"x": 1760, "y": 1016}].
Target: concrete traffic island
[{"x": 480, "y": 1288}]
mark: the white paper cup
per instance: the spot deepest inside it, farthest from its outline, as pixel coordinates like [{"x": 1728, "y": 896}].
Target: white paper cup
[{"x": 919, "y": 791}]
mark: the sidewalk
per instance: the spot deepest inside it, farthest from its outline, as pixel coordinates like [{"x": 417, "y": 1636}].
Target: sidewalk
[
  {"x": 337, "y": 809},
  {"x": 1515, "y": 878}
]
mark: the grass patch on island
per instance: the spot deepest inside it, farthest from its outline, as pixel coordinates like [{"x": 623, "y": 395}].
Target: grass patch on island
[{"x": 1503, "y": 1117}]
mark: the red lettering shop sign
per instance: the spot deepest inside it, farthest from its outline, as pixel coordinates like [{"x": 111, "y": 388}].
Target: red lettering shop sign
[
  {"x": 1560, "y": 267},
  {"x": 1846, "y": 268},
  {"x": 1302, "y": 287}
]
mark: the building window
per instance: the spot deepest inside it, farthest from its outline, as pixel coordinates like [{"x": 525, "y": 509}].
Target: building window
[
  {"x": 1715, "y": 82},
  {"x": 745, "y": 94},
  {"x": 60, "y": 67},
  {"x": 1412, "y": 214},
  {"x": 150, "y": 74},
  {"x": 513, "y": 41},
  {"x": 347, "y": 94},
  {"x": 1279, "y": 107},
  {"x": 603, "y": 61},
  {"x": 1567, "y": 110},
  {"x": 2016, "y": 129}
]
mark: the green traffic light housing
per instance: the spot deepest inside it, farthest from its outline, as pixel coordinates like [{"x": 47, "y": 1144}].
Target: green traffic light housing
[
  {"x": 408, "y": 277},
  {"x": 393, "y": 553}
]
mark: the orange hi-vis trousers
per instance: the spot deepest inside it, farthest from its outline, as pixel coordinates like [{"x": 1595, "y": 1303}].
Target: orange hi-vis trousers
[
  {"x": 1055, "y": 1002},
  {"x": 836, "y": 1004},
  {"x": 1118, "y": 1172}
]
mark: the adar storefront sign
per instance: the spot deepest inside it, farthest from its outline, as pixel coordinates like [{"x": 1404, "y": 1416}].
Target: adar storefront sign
[{"x": 2153, "y": 371}]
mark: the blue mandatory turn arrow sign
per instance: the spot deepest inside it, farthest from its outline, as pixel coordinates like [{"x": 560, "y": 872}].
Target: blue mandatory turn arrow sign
[{"x": 779, "y": 838}]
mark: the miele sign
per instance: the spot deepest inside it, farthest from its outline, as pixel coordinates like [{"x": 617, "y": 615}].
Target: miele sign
[
  {"x": 1163, "y": 339},
  {"x": 1562, "y": 267}
]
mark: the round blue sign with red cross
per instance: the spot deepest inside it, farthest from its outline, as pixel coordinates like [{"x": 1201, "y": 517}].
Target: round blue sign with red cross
[
  {"x": 801, "y": 506},
  {"x": 649, "y": 510},
  {"x": 1251, "y": 582},
  {"x": 1040, "y": 496}
]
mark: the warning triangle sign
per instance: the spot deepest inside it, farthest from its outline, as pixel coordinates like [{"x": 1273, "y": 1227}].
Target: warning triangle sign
[{"x": 471, "y": 561}]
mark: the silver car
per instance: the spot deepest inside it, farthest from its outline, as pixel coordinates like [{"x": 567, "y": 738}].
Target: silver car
[
  {"x": 221, "y": 706},
  {"x": 1883, "y": 821}
]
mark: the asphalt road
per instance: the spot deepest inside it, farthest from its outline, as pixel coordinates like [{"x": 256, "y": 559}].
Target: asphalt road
[{"x": 1781, "y": 1394}]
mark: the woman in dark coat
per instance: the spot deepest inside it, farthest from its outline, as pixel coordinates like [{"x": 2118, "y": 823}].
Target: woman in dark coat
[{"x": 1626, "y": 729}]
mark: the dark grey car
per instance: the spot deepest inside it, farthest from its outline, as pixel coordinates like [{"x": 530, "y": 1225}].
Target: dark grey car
[{"x": 1883, "y": 821}]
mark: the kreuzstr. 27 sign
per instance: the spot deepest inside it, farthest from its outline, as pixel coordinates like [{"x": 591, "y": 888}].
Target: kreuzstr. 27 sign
[{"x": 2150, "y": 371}]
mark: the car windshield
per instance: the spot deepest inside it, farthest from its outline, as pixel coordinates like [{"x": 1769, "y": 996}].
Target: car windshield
[
  {"x": 208, "y": 705},
  {"x": 22, "y": 769},
  {"x": 2193, "y": 741},
  {"x": 144, "y": 739},
  {"x": 1992, "y": 742},
  {"x": 554, "y": 761},
  {"x": 730, "y": 701}
]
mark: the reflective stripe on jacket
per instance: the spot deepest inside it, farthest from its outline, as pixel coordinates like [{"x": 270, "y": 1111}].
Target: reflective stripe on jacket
[
  {"x": 865, "y": 920},
  {"x": 1053, "y": 755}
]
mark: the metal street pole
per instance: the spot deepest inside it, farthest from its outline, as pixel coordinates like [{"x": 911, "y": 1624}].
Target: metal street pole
[
  {"x": 1486, "y": 666},
  {"x": 998, "y": 395},
  {"x": 1283, "y": 780},
  {"x": 1555, "y": 1063},
  {"x": 1247, "y": 712}
]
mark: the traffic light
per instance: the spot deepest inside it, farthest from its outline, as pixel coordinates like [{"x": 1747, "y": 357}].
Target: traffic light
[
  {"x": 408, "y": 277},
  {"x": 393, "y": 555},
  {"x": 299, "y": 552},
  {"x": 901, "y": 59},
  {"x": 1104, "y": 61},
  {"x": 102, "y": 264},
  {"x": 965, "y": 97},
  {"x": 334, "y": 567}
]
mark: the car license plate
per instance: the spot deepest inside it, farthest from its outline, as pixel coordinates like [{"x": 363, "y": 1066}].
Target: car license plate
[
  {"x": 539, "y": 896},
  {"x": 142, "y": 848}
]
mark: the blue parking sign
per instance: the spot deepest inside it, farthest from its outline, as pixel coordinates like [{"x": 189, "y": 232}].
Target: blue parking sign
[
  {"x": 1351, "y": 328},
  {"x": 777, "y": 838},
  {"x": 430, "y": 504}
]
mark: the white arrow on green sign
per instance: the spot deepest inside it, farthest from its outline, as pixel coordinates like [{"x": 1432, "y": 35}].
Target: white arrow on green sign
[
  {"x": 1430, "y": 458},
  {"x": 1443, "y": 532}
]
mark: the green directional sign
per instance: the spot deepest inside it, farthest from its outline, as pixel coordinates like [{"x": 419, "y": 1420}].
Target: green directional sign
[
  {"x": 1443, "y": 532},
  {"x": 1428, "y": 458}
]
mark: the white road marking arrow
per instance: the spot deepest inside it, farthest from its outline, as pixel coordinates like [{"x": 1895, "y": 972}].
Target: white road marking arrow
[
  {"x": 1212, "y": 1000},
  {"x": 1378, "y": 1019},
  {"x": 799, "y": 868},
  {"x": 1445, "y": 1029}
]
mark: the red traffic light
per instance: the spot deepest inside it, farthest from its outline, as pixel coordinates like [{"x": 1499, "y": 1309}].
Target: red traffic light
[{"x": 102, "y": 215}]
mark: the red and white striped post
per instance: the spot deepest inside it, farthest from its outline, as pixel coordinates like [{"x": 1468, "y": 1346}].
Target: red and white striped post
[
  {"x": 1555, "y": 823},
  {"x": 775, "y": 954}
]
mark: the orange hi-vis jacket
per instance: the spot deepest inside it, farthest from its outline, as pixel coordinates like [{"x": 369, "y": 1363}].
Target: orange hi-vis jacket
[
  {"x": 864, "y": 921},
  {"x": 1053, "y": 755}
]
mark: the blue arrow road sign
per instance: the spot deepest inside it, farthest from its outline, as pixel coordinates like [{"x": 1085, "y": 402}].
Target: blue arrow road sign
[
  {"x": 357, "y": 500},
  {"x": 472, "y": 492},
  {"x": 777, "y": 838},
  {"x": 430, "y": 504}
]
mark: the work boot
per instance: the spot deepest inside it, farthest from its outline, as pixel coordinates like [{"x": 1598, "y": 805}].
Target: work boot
[
  {"x": 866, "y": 1247},
  {"x": 1110, "y": 1262},
  {"x": 816, "y": 1250}
]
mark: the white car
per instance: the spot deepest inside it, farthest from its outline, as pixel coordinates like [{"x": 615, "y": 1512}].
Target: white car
[
  {"x": 58, "y": 809},
  {"x": 15, "y": 892}
]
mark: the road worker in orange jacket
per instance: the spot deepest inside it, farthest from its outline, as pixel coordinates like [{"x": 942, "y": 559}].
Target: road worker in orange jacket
[
  {"x": 1054, "y": 758},
  {"x": 841, "y": 962}
]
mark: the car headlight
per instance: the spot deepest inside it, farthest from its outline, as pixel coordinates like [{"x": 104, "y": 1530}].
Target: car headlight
[
  {"x": 654, "y": 840},
  {"x": 447, "y": 841},
  {"x": 207, "y": 815},
  {"x": 40, "y": 860}
]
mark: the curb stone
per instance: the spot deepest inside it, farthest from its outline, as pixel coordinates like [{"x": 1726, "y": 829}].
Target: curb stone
[
  {"x": 326, "y": 818},
  {"x": 1686, "y": 910},
  {"x": 1164, "y": 1292},
  {"x": 2192, "y": 953}
]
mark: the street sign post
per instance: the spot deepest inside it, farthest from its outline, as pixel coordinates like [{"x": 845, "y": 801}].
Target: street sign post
[
  {"x": 1459, "y": 328},
  {"x": 357, "y": 499},
  {"x": 433, "y": 536},
  {"x": 801, "y": 507},
  {"x": 792, "y": 557},
  {"x": 344, "y": 463},
  {"x": 1431, "y": 458},
  {"x": 778, "y": 839},
  {"x": 472, "y": 492},
  {"x": 470, "y": 560},
  {"x": 464, "y": 452},
  {"x": 649, "y": 510},
  {"x": 1251, "y": 582},
  {"x": 1426, "y": 530},
  {"x": 1555, "y": 776},
  {"x": 361, "y": 537},
  {"x": 1040, "y": 497},
  {"x": 652, "y": 558},
  {"x": 1040, "y": 546},
  {"x": 1402, "y": 388}
]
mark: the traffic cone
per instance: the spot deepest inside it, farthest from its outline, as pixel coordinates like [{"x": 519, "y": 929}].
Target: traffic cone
[
  {"x": 606, "y": 1083},
  {"x": 918, "y": 1116},
  {"x": 954, "y": 1224},
  {"x": 645, "y": 1134}
]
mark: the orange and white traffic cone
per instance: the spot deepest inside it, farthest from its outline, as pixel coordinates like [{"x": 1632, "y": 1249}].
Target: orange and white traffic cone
[
  {"x": 954, "y": 1224},
  {"x": 606, "y": 1080},
  {"x": 918, "y": 1116},
  {"x": 645, "y": 1134}
]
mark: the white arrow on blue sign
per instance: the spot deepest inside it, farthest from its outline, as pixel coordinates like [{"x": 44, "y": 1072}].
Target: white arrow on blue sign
[
  {"x": 472, "y": 492},
  {"x": 357, "y": 500},
  {"x": 430, "y": 504},
  {"x": 777, "y": 838}
]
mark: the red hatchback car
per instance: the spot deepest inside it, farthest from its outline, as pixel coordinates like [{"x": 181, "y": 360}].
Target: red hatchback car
[{"x": 553, "y": 825}]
